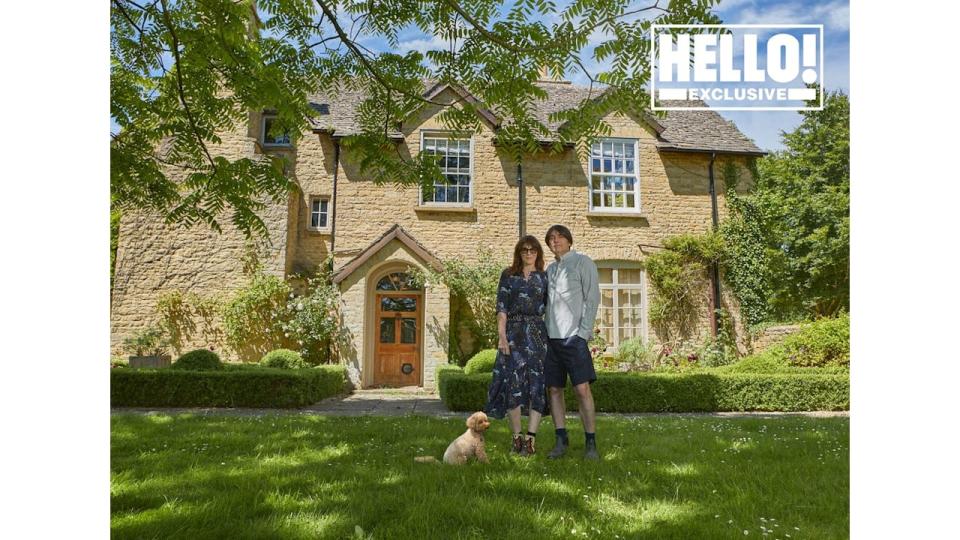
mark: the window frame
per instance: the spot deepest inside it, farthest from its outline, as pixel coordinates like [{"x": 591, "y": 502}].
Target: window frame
[
  {"x": 615, "y": 286},
  {"x": 442, "y": 134},
  {"x": 263, "y": 133},
  {"x": 321, "y": 198},
  {"x": 637, "y": 208}
]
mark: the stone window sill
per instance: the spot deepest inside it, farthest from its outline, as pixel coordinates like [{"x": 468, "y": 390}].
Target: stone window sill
[
  {"x": 629, "y": 215},
  {"x": 451, "y": 209},
  {"x": 324, "y": 232}
]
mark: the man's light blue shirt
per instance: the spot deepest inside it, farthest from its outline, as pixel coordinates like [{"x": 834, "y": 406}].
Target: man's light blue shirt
[{"x": 573, "y": 296}]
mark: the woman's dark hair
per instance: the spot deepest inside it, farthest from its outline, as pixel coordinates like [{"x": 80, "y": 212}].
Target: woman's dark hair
[
  {"x": 561, "y": 230},
  {"x": 517, "y": 267}
]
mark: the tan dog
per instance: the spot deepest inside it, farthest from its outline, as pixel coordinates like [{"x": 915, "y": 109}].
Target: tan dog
[{"x": 468, "y": 445}]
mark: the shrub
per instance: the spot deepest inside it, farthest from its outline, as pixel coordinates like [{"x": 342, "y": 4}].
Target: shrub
[
  {"x": 117, "y": 362},
  {"x": 640, "y": 354},
  {"x": 769, "y": 361},
  {"x": 150, "y": 341},
  {"x": 823, "y": 343},
  {"x": 233, "y": 386},
  {"x": 283, "y": 359},
  {"x": 683, "y": 392},
  {"x": 482, "y": 362},
  {"x": 198, "y": 360}
]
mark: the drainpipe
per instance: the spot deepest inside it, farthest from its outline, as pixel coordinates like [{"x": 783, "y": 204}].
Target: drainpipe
[
  {"x": 333, "y": 209},
  {"x": 715, "y": 268},
  {"x": 521, "y": 200}
]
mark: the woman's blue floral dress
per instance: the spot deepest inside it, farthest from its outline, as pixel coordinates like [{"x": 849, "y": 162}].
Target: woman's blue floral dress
[{"x": 518, "y": 377}]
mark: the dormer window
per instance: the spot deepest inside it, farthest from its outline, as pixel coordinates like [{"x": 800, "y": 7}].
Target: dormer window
[{"x": 275, "y": 139}]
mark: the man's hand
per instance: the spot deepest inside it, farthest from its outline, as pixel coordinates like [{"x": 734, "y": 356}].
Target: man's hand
[{"x": 572, "y": 340}]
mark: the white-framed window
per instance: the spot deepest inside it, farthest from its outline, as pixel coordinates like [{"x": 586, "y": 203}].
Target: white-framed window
[
  {"x": 272, "y": 140},
  {"x": 319, "y": 213},
  {"x": 455, "y": 158},
  {"x": 614, "y": 177},
  {"x": 623, "y": 302}
]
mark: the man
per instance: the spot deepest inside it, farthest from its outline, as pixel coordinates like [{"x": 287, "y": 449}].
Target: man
[{"x": 573, "y": 298}]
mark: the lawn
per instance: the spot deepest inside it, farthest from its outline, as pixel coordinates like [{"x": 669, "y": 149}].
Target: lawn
[{"x": 292, "y": 476}]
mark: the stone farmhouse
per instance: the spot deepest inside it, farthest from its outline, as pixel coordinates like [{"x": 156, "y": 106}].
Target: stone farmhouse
[{"x": 647, "y": 181}]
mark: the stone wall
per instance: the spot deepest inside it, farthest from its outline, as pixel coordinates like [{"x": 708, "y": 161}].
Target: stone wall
[{"x": 153, "y": 258}]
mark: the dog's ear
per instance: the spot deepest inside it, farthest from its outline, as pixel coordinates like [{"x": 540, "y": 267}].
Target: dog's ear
[{"x": 473, "y": 421}]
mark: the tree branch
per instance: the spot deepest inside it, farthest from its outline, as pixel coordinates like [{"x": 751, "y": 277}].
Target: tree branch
[{"x": 180, "y": 91}]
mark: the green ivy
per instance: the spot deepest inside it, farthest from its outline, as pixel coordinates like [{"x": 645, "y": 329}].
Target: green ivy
[{"x": 473, "y": 291}]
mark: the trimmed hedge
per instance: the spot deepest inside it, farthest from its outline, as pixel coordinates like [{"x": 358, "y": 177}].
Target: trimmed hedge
[
  {"x": 233, "y": 386},
  {"x": 482, "y": 362},
  {"x": 283, "y": 359},
  {"x": 198, "y": 360},
  {"x": 682, "y": 392}
]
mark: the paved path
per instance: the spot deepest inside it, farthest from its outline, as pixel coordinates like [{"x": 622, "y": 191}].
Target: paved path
[{"x": 415, "y": 401}]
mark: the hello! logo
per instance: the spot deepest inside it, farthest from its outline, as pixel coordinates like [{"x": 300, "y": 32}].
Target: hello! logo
[{"x": 737, "y": 67}]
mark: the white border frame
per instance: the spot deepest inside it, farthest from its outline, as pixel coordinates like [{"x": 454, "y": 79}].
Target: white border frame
[
  {"x": 310, "y": 226},
  {"x": 615, "y": 266},
  {"x": 473, "y": 177},
  {"x": 653, "y": 56},
  {"x": 636, "y": 175}
]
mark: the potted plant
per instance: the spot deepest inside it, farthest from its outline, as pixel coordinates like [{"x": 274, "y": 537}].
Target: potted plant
[{"x": 148, "y": 349}]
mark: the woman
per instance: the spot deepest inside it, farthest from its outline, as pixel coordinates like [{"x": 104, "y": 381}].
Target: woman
[{"x": 518, "y": 383}]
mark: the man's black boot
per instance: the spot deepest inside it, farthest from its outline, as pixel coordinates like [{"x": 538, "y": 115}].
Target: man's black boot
[
  {"x": 590, "y": 451},
  {"x": 560, "y": 449}
]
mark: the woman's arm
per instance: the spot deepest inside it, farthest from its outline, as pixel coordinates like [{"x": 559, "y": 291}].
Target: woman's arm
[{"x": 503, "y": 345}]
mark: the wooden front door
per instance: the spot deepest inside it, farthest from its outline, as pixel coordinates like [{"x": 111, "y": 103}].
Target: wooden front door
[{"x": 397, "y": 350}]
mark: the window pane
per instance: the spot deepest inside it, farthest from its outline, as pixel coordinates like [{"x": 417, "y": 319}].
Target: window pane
[
  {"x": 606, "y": 298},
  {"x": 323, "y": 220},
  {"x": 465, "y": 163},
  {"x": 596, "y": 199},
  {"x": 607, "y": 200},
  {"x": 452, "y": 194},
  {"x": 607, "y": 149},
  {"x": 387, "y": 331},
  {"x": 618, "y": 200},
  {"x": 628, "y": 150},
  {"x": 464, "y": 194},
  {"x": 429, "y": 145},
  {"x": 606, "y": 275},
  {"x": 606, "y": 165},
  {"x": 631, "y": 201},
  {"x": 408, "y": 330},
  {"x": 439, "y": 193},
  {"x": 315, "y": 219},
  {"x": 628, "y": 166},
  {"x": 595, "y": 165},
  {"x": 595, "y": 150},
  {"x": 629, "y": 276},
  {"x": 398, "y": 304}
]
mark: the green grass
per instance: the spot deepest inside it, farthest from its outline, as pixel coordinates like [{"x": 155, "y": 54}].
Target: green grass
[{"x": 291, "y": 476}]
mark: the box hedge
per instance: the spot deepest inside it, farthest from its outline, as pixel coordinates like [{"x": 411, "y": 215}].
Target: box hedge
[
  {"x": 233, "y": 386},
  {"x": 680, "y": 392}
]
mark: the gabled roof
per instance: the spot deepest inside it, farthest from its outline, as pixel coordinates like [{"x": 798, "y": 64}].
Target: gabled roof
[
  {"x": 681, "y": 131},
  {"x": 393, "y": 233}
]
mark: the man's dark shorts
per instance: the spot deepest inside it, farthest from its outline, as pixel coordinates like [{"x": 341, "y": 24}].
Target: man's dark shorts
[{"x": 573, "y": 360}]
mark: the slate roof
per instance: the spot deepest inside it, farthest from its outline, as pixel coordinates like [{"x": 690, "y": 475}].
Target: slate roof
[{"x": 683, "y": 131}]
